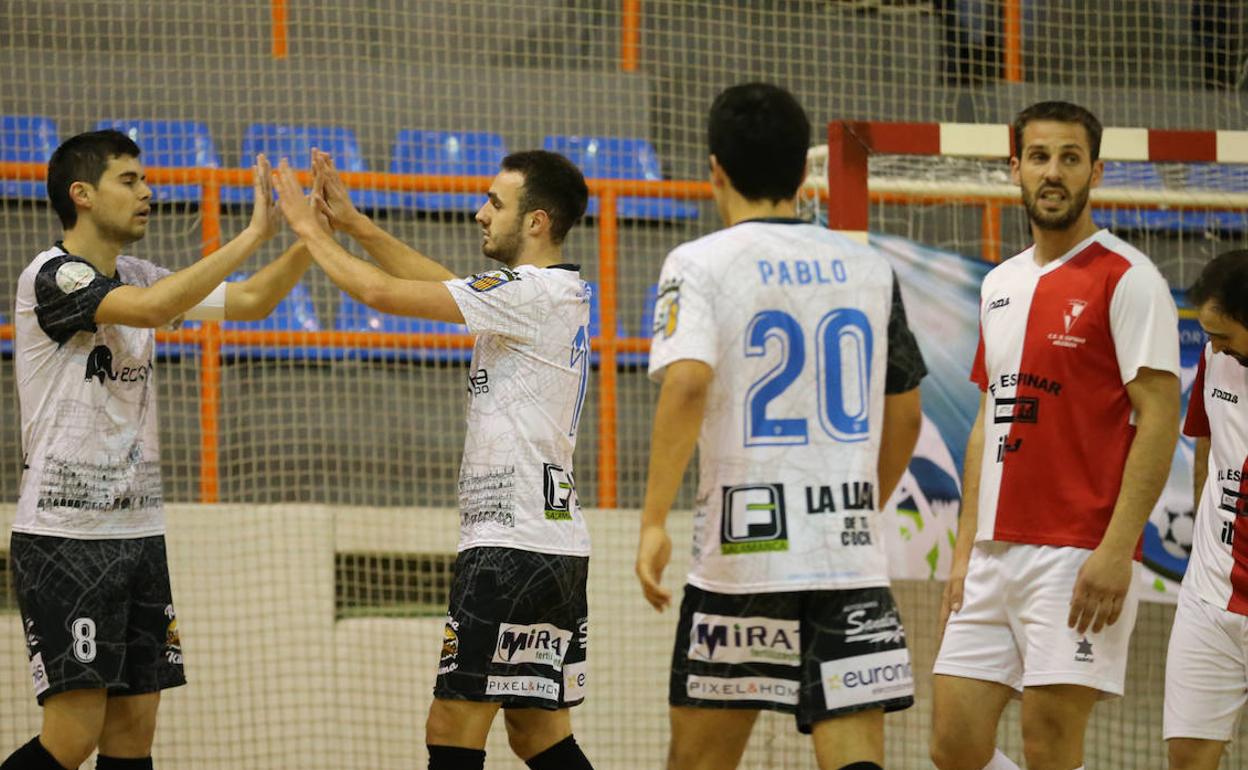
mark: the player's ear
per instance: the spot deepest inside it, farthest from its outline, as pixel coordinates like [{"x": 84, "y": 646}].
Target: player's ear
[
  {"x": 1098, "y": 172},
  {"x": 719, "y": 177},
  {"x": 80, "y": 193},
  {"x": 539, "y": 222}
]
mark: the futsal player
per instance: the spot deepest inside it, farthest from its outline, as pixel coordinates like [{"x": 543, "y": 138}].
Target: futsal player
[
  {"x": 88, "y": 546},
  {"x": 1207, "y": 662},
  {"x": 784, "y": 354},
  {"x": 517, "y": 626},
  {"x": 1078, "y": 363}
]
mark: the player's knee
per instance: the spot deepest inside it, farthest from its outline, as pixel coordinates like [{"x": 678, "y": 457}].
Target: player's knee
[
  {"x": 1188, "y": 754},
  {"x": 954, "y": 752},
  {"x": 441, "y": 726},
  {"x": 532, "y": 731}
]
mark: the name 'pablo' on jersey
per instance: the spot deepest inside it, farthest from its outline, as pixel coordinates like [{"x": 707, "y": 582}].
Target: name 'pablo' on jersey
[{"x": 801, "y": 272}]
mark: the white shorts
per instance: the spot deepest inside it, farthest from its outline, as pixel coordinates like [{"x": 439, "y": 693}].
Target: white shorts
[
  {"x": 1012, "y": 625},
  {"x": 1206, "y": 671}
]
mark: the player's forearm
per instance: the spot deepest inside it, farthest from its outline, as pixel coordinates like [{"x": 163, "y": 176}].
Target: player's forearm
[
  {"x": 677, "y": 421},
  {"x": 351, "y": 274},
  {"x": 394, "y": 256},
  {"x": 903, "y": 419},
  {"x": 1144, "y": 475},
  {"x": 255, "y": 298},
  {"x": 175, "y": 294},
  {"x": 968, "y": 519},
  {"x": 1200, "y": 469}
]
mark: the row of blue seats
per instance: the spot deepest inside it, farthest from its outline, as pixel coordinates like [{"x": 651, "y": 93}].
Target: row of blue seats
[
  {"x": 187, "y": 144},
  {"x": 296, "y": 312},
  {"x": 1211, "y": 177}
]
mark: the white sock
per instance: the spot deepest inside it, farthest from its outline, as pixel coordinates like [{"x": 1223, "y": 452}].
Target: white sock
[{"x": 1000, "y": 761}]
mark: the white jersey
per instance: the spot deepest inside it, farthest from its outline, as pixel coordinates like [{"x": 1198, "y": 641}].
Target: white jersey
[
  {"x": 806, "y": 333},
  {"x": 526, "y": 388},
  {"x": 88, "y": 404},
  {"x": 1218, "y": 409}
]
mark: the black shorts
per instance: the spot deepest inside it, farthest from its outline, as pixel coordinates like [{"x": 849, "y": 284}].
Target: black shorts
[
  {"x": 815, "y": 654},
  {"x": 96, "y": 614},
  {"x": 517, "y": 629}
]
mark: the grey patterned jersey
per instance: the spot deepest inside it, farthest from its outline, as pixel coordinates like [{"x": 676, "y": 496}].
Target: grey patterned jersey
[
  {"x": 526, "y": 389},
  {"x": 88, "y": 404}
]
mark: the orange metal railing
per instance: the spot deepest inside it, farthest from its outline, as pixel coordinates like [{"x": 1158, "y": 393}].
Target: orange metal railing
[{"x": 211, "y": 337}]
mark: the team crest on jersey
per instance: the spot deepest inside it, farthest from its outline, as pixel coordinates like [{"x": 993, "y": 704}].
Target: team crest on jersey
[
  {"x": 490, "y": 280},
  {"x": 1074, "y": 309},
  {"x": 1070, "y": 317},
  {"x": 667, "y": 308}
]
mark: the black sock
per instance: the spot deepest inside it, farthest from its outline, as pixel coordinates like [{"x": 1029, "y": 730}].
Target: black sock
[
  {"x": 114, "y": 763},
  {"x": 862, "y": 766},
  {"x": 564, "y": 755},
  {"x": 454, "y": 758},
  {"x": 32, "y": 756}
]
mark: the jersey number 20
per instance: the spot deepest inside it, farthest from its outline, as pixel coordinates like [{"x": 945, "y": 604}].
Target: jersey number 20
[{"x": 842, "y": 372}]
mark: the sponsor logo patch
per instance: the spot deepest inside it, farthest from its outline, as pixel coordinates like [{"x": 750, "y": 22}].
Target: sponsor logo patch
[
  {"x": 728, "y": 639},
  {"x": 742, "y": 688},
  {"x": 753, "y": 519},
  {"x": 523, "y": 687},
  {"x": 39, "y": 674},
  {"x": 539, "y": 643},
  {"x": 558, "y": 488},
  {"x": 449, "y": 659},
  {"x": 73, "y": 276},
  {"x": 574, "y": 675},
  {"x": 880, "y": 676},
  {"x": 866, "y": 623}
]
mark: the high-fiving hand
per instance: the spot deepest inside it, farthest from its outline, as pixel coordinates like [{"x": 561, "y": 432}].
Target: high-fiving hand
[
  {"x": 265, "y": 221},
  {"x": 334, "y": 201},
  {"x": 299, "y": 211}
]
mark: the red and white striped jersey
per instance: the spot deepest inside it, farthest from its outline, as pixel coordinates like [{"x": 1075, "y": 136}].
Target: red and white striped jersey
[
  {"x": 1218, "y": 569},
  {"x": 1057, "y": 345}
]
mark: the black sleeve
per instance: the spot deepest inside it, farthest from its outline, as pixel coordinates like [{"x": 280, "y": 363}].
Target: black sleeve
[
  {"x": 67, "y": 295},
  {"x": 905, "y": 360}
]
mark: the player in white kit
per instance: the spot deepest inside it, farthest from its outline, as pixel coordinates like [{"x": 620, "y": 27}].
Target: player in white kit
[
  {"x": 517, "y": 626},
  {"x": 1078, "y": 361},
  {"x": 1207, "y": 662},
  {"x": 88, "y": 545},
  {"x": 783, "y": 351}
]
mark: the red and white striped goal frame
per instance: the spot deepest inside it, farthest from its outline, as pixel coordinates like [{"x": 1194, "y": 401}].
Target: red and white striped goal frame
[{"x": 851, "y": 142}]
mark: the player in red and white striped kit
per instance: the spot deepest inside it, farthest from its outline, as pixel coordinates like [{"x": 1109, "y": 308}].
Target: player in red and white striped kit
[
  {"x": 1207, "y": 663},
  {"x": 1078, "y": 361}
]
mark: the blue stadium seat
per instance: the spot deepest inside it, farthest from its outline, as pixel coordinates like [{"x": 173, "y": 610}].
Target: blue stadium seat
[
  {"x": 6, "y": 346},
  {"x": 645, "y": 329},
  {"x": 295, "y": 143},
  {"x": 595, "y": 327},
  {"x": 26, "y": 139},
  {"x": 1137, "y": 175},
  {"x": 451, "y": 153},
  {"x": 354, "y": 316},
  {"x": 604, "y": 157},
  {"x": 170, "y": 144},
  {"x": 1217, "y": 177},
  {"x": 294, "y": 313}
]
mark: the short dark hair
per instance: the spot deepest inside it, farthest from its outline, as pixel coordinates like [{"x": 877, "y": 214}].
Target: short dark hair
[
  {"x": 1224, "y": 280},
  {"x": 553, "y": 184},
  {"x": 760, "y": 134},
  {"x": 83, "y": 158},
  {"x": 1062, "y": 112}
]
